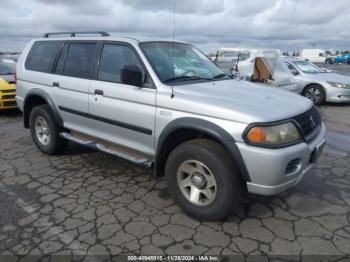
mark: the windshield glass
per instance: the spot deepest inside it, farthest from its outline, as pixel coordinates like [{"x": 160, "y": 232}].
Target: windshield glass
[
  {"x": 7, "y": 67},
  {"x": 308, "y": 67},
  {"x": 178, "y": 61}
]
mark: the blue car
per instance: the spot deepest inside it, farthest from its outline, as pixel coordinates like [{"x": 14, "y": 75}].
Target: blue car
[{"x": 342, "y": 59}]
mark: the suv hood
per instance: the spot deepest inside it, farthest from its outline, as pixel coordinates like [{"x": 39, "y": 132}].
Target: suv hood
[{"x": 240, "y": 101}]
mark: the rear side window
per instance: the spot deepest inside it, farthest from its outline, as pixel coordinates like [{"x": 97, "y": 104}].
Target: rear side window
[
  {"x": 42, "y": 56},
  {"x": 79, "y": 60}
]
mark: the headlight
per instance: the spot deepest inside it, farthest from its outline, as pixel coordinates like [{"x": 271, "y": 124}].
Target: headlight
[
  {"x": 340, "y": 85},
  {"x": 271, "y": 136}
]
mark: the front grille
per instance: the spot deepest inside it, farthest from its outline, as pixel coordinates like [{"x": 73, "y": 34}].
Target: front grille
[
  {"x": 9, "y": 103},
  {"x": 8, "y": 96},
  {"x": 309, "y": 122},
  {"x": 8, "y": 91}
]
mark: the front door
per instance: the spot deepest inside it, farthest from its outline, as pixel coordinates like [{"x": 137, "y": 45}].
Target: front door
[{"x": 121, "y": 113}]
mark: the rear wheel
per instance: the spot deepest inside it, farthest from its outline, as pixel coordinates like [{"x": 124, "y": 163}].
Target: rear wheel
[
  {"x": 45, "y": 131},
  {"x": 202, "y": 179},
  {"x": 315, "y": 93},
  {"x": 348, "y": 61}
]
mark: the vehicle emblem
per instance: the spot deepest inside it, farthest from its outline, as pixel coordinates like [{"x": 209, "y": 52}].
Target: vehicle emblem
[{"x": 313, "y": 124}]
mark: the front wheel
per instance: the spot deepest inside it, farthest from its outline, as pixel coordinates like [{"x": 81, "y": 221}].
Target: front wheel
[
  {"x": 45, "y": 131},
  {"x": 315, "y": 93},
  {"x": 202, "y": 179}
]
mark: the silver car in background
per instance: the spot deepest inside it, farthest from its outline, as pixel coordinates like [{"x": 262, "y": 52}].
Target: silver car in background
[{"x": 318, "y": 84}]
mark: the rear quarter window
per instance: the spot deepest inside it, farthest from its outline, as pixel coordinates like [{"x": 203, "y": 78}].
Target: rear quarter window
[{"x": 42, "y": 56}]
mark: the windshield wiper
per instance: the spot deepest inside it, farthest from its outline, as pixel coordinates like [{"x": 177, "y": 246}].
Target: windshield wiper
[
  {"x": 185, "y": 78},
  {"x": 9, "y": 73},
  {"x": 222, "y": 76}
]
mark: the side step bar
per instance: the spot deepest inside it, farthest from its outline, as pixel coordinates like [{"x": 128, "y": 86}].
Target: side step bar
[{"x": 116, "y": 150}]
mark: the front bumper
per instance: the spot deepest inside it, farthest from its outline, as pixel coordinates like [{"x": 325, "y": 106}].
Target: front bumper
[
  {"x": 274, "y": 170},
  {"x": 338, "y": 95},
  {"x": 7, "y": 99}
]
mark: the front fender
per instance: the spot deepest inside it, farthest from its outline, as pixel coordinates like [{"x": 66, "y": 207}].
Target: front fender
[{"x": 205, "y": 127}]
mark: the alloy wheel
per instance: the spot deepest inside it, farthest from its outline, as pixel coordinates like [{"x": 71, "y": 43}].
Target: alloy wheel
[{"x": 196, "y": 182}]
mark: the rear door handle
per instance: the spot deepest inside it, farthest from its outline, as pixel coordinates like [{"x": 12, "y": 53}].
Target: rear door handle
[
  {"x": 99, "y": 92},
  {"x": 56, "y": 84}
]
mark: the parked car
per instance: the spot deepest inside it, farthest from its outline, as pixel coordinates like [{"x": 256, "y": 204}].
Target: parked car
[
  {"x": 342, "y": 59},
  {"x": 7, "y": 84},
  {"x": 313, "y": 55},
  {"x": 261, "y": 66},
  {"x": 210, "y": 135},
  {"x": 318, "y": 84}
]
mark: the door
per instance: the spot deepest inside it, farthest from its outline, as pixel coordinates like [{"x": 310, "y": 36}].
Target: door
[
  {"x": 70, "y": 83},
  {"x": 120, "y": 113},
  {"x": 299, "y": 83}
]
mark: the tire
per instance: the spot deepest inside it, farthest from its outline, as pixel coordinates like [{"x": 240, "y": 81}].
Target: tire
[
  {"x": 348, "y": 61},
  {"x": 42, "y": 125},
  {"x": 329, "y": 61},
  {"x": 315, "y": 93},
  {"x": 228, "y": 186}
]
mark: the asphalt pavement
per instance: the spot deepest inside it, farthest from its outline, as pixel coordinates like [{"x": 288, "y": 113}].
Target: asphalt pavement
[{"x": 86, "y": 203}]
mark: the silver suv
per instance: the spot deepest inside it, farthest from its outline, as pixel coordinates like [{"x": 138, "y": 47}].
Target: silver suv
[{"x": 166, "y": 106}]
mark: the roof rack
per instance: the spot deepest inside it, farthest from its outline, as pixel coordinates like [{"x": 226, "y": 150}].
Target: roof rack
[{"x": 73, "y": 34}]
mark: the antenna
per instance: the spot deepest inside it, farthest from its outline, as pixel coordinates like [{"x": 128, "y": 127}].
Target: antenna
[{"x": 172, "y": 88}]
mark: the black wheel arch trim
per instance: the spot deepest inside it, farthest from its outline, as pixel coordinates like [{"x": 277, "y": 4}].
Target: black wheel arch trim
[
  {"x": 46, "y": 97},
  {"x": 207, "y": 128}
]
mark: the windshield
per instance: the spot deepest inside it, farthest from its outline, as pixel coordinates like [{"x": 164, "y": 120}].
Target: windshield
[
  {"x": 7, "y": 68},
  {"x": 180, "y": 62},
  {"x": 308, "y": 68}
]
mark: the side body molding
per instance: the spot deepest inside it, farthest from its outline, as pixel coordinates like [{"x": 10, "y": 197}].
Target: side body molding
[
  {"x": 205, "y": 128},
  {"x": 36, "y": 92}
]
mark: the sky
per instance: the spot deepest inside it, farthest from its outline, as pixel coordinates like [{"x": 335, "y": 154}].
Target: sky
[{"x": 209, "y": 24}]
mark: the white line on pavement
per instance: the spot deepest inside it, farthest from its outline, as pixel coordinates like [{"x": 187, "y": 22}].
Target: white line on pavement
[
  {"x": 54, "y": 231},
  {"x": 336, "y": 152}
]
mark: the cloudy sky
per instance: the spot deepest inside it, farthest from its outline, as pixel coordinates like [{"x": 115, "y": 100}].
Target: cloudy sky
[{"x": 284, "y": 24}]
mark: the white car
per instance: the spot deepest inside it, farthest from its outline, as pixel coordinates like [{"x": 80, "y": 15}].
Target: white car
[
  {"x": 319, "y": 84},
  {"x": 261, "y": 66}
]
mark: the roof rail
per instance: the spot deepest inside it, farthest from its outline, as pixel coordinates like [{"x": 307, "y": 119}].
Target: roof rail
[{"x": 73, "y": 34}]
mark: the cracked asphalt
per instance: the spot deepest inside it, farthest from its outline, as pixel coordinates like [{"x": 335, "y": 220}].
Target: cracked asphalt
[{"x": 90, "y": 203}]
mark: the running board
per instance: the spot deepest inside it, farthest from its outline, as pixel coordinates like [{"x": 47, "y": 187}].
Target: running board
[{"x": 119, "y": 151}]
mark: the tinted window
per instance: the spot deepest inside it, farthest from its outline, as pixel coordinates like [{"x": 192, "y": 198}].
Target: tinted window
[
  {"x": 113, "y": 59},
  {"x": 78, "y": 60},
  {"x": 42, "y": 56},
  {"x": 61, "y": 59}
]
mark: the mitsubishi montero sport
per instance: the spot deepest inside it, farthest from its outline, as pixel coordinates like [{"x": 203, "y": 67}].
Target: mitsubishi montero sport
[{"x": 166, "y": 106}]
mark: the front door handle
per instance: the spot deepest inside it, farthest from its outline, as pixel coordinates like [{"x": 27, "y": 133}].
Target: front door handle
[
  {"x": 99, "y": 92},
  {"x": 56, "y": 84}
]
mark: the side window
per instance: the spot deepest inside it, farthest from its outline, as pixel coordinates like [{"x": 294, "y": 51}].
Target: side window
[
  {"x": 290, "y": 67},
  {"x": 42, "y": 56},
  {"x": 79, "y": 59},
  {"x": 61, "y": 59},
  {"x": 113, "y": 59}
]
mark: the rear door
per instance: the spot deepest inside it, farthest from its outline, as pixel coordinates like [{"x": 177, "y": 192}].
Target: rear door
[
  {"x": 120, "y": 113},
  {"x": 70, "y": 82}
]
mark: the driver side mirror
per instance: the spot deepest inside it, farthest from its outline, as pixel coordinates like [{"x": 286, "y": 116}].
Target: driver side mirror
[
  {"x": 294, "y": 72},
  {"x": 132, "y": 75}
]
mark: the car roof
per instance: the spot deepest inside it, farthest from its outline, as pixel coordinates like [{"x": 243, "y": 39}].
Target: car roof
[
  {"x": 291, "y": 59},
  {"x": 134, "y": 39}
]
